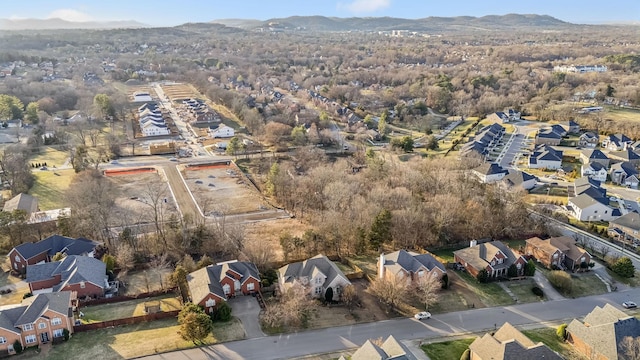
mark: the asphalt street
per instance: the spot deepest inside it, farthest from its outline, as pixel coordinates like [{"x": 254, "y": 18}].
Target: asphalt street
[{"x": 341, "y": 338}]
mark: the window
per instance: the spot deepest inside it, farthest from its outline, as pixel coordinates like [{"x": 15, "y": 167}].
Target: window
[
  {"x": 251, "y": 286},
  {"x": 58, "y": 333},
  {"x": 210, "y": 303},
  {"x": 17, "y": 258},
  {"x": 56, "y": 321},
  {"x": 421, "y": 273},
  {"x": 3, "y": 340},
  {"x": 518, "y": 266},
  {"x": 42, "y": 325},
  {"x": 30, "y": 339},
  {"x": 318, "y": 290},
  {"x": 582, "y": 259},
  {"x": 595, "y": 211},
  {"x": 555, "y": 256},
  {"x": 15, "y": 266},
  {"x": 82, "y": 285},
  {"x": 27, "y": 327},
  {"x": 226, "y": 288}
]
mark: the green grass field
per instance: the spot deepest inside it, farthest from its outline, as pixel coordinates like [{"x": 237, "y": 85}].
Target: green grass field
[
  {"x": 448, "y": 350},
  {"x": 50, "y": 188},
  {"x": 126, "y": 342},
  {"x": 51, "y": 156},
  {"x": 620, "y": 114}
]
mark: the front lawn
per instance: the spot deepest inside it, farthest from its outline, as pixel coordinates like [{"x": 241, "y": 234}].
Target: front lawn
[
  {"x": 125, "y": 342},
  {"x": 448, "y": 350},
  {"x": 490, "y": 293},
  {"x": 548, "y": 337},
  {"x": 127, "y": 309},
  {"x": 522, "y": 290},
  {"x": 586, "y": 285},
  {"x": 50, "y": 187}
]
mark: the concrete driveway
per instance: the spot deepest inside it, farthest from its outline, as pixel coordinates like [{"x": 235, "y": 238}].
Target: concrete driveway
[
  {"x": 247, "y": 309},
  {"x": 549, "y": 291}
]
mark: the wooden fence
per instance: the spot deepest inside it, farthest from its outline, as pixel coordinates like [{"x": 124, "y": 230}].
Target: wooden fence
[
  {"x": 122, "y": 298},
  {"x": 126, "y": 321}
]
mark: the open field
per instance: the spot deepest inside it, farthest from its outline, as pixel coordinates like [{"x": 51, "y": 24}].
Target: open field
[
  {"x": 622, "y": 114},
  {"x": 50, "y": 187},
  {"x": 126, "y": 342},
  {"x": 137, "y": 192},
  {"x": 447, "y": 350},
  {"x": 130, "y": 90},
  {"x": 270, "y": 232},
  {"x": 222, "y": 189},
  {"x": 127, "y": 309},
  {"x": 51, "y": 156},
  {"x": 178, "y": 92}
]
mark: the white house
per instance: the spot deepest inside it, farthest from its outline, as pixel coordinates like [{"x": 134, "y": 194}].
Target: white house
[
  {"x": 221, "y": 131},
  {"x": 584, "y": 207},
  {"x": 150, "y": 128},
  {"x": 545, "y": 157},
  {"x": 490, "y": 172},
  {"x": 595, "y": 171},
  {"x": 519, "y": 179}
]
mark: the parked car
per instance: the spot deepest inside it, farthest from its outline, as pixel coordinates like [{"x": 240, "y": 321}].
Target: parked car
[
  {"x": 629, "y": 305},
  {"x": 422, "y": 315}
]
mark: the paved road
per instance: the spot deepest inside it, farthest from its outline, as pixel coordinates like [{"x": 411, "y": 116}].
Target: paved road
[{"x": 346, "y": 337}]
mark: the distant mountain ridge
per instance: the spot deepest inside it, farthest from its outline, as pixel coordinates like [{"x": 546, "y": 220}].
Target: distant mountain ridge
[
  {"x": 323, "y": 23},
  {"x": 54, "y": 24}
]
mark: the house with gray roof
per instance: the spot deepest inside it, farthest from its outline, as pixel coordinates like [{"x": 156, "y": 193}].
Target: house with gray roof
[
  {"x": 626, "y": 155},
  {"x": 490, "y": 172},
  {"x": 508, "y": 343},
  {"x": 626, "y": 228},
  {"x": 44, "y": 250},
  {"x": 545, "y": 157},
  {"x": 625, "y": 174},
  {"x": 616, "y": 142},
  {"x": 550, "y": 136},
  {"x": 316, "y": 274},
  {"x": 409, "y": 265},
  {"x": 494, "y": 256},
  {"x": 594, "y": 155},
  {"x": 571, "y": 127},
  {"x": 214, "y": 284},
  {"x": 588, "y": 140},
  {"x": 601, "y": 334},
  {"x": 38, "y": 320},
  {"x": 391, "y": 349},
  {"x": 595, "y": 171},
  {"x": 586, "y": 207},
  {"x": 22, "y": 201},
  {"x": 84, "y": 275},
  {"x": 517, "y": 179}
]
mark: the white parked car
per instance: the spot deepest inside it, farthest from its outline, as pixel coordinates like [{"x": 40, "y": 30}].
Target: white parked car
[
  {"x": 422, "y": 315},
  {"x": 629, "y": 305}
]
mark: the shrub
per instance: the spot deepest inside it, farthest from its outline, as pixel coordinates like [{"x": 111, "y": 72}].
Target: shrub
[
  {"x": 466, "y": 355},
  {"x": 65, "y": 334},
  {"x": 445, "y": 281},
  {"x": 537, "y": 291},
  {"x": 17, "y": 346},
  {"x": 27, "y": 295},
  {"x": 561, "y": 281},
  {"x": 623, "y": 267},
  {"x": 512, "y": 271},
  {"x": 222, "y": 313},
  {"x": 562, "y": 331},
  {"x": 483, "y": 276},
  {"x": 530, "y": 268}
]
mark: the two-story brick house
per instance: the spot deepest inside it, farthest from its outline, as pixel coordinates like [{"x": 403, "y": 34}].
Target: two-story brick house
[
  {"x": 214, "y": 284},
  {"x": 495, "y": 257},
  {"x": 558, "y": 252},
  {"x": 37, "y": 320},
  {"x": 84, "y": 275},
  {"x": 410, "y": 266},
  {"x": 44, "y": 250}
]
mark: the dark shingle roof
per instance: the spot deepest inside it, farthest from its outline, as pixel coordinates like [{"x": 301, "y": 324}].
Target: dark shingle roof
[
  {"x": 306, "y": 268},
  {"x": 630, "y": 220},
  {"x": 37, "y": 305},
  {"x": 72, "y": 269},
  {"x": 517, "y": 178},
  {"x": 594, "y": 154},
  {"x": 204, "y": 281},
  {"x": 411, "y": 261},
  {"x": 57, "y": 243},
  {"x": 480, "y": 255},
  {"x": 625, "y": 167},
  {"x": 626, "y": 155},
  {"x": 490, "y": 169},
  {"x": 510, "y": 344}
]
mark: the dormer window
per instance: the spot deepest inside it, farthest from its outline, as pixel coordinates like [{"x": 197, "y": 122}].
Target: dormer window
[{"x": 27, "y": 327}]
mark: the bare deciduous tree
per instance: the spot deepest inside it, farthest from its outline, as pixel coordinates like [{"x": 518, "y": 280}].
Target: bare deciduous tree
[
  {"x": 292, "y": 308},
  {"x": 630, "y": 347},
  {"x": 428, "y": 288},
  {"x": 390, "y": 290},
  {"x": 125, "y": 256},
  {"x": 260, "y": 252}
]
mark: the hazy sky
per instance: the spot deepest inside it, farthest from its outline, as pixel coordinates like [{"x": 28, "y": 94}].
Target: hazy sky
[{"x": 171, "y": 12}]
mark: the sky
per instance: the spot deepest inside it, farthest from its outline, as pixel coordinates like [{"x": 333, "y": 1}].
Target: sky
[{"x": 171, "y": 12}]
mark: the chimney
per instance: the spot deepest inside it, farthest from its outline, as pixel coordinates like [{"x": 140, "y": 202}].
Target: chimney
[
  {"x": 381, "y": 266},
  {"x": 473, "y": 243}
]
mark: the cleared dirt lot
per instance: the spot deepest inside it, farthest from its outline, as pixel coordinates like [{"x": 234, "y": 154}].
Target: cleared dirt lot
[
  {"x": 137, "y": 191},
  {"x": 177, "y": 92},
  {"x": 222, "y": 189}
]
